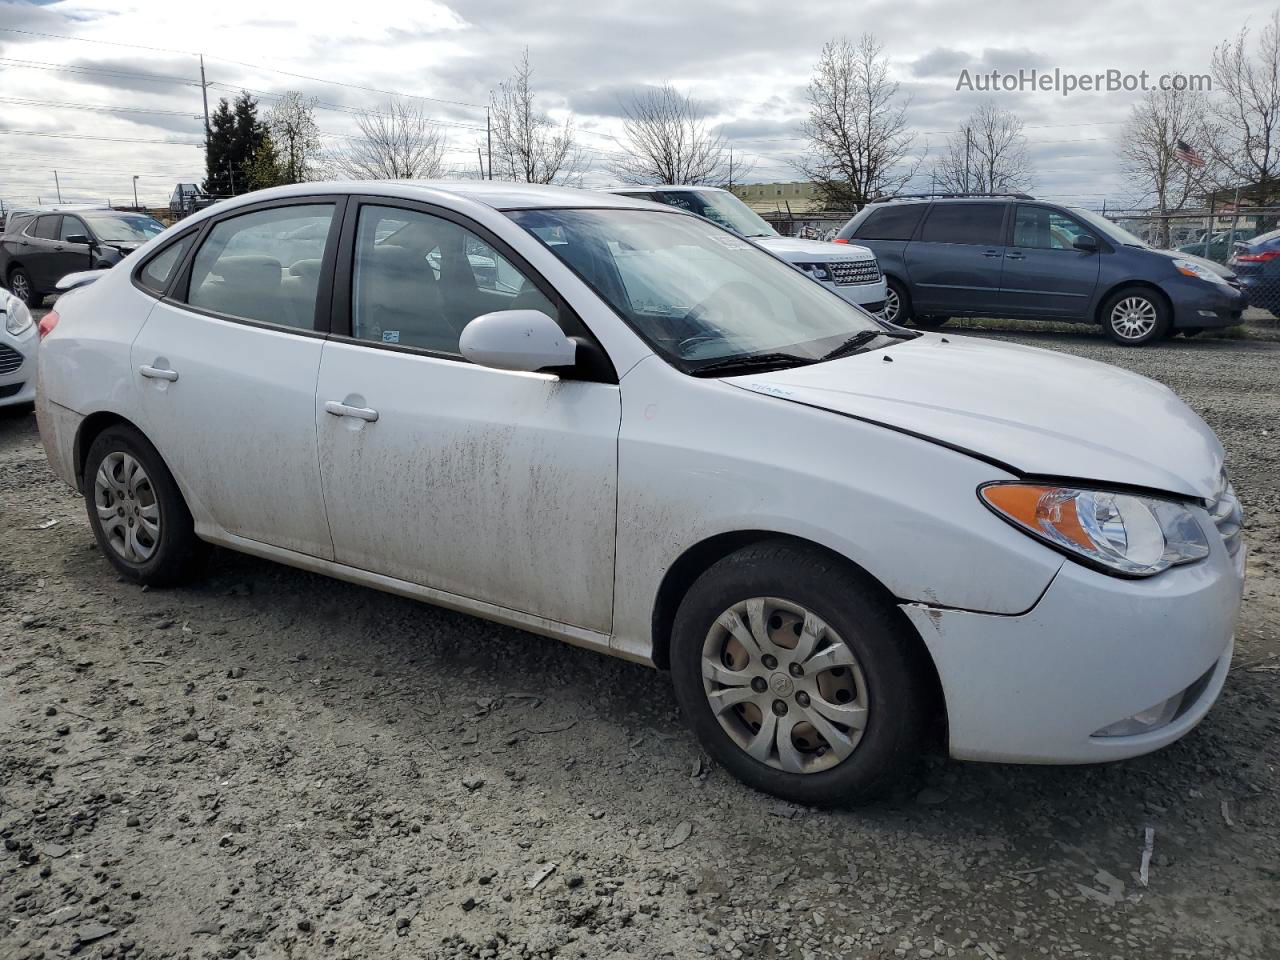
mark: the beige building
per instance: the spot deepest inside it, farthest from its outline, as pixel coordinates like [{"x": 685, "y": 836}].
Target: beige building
[{"x": 765, "y": 198}]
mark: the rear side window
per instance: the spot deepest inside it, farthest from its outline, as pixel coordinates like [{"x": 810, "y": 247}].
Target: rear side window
[
  {"x": 892, "y": 222},
  {"x": 965, "y": 223},
  {"x": 263, "y": 265},
  {"x": 47, "y": 228},
  {"x": 157, "y": 271}
]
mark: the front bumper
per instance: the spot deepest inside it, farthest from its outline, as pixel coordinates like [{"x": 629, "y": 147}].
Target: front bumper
[
  {"x": 18, "y": 383},
  {"x": 869, "y": 296},
  {"x": 1200, "y": 304},
  {"x": 1094, "y": 651}
]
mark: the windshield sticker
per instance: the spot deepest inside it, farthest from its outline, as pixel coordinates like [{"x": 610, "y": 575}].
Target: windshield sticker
[{"x": 390, "y": 336}]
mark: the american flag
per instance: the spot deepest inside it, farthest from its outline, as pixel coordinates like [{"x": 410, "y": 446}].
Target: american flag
[{"x": 1187, "y": 154}]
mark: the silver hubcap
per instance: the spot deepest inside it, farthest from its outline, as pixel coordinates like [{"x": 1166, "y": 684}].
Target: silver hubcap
[
  {"x": 19, "y": 287},
  {"x": 891, "y": 305},
  {"x": 127, "y": 507},
  {"x": 784, "y": 686},
  {"x": 1133, "y": 317}
]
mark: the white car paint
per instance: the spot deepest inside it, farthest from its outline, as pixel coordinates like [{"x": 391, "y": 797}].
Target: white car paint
[
  {"x": 559, "y": 505},
  {"x": 796, "y": 251},
  {"x": 17, "y": 352}
]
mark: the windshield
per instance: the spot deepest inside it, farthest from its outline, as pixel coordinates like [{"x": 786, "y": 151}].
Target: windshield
[
  {"x": 720, "y": 208},
  {"x": 124, "y": 228},
  {"x": 696, "y": 293},
  {"x": 1108, "y": 229}
]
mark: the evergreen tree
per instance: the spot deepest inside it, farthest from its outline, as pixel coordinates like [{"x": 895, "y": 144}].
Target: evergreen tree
[
  {"x": 218, "y": 154},
  {"x": 235, "y": 136}
]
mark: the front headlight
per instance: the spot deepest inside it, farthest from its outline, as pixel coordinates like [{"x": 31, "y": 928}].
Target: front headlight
[
  {"x": 17, "y": 318},
  {"x": 1189, "y": 268},
  {"x": 816, "y": 270},
  {"x": 1120, "y": 533}
]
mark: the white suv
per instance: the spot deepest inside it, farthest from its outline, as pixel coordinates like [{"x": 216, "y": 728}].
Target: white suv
[{"x": 849, "y": 270}]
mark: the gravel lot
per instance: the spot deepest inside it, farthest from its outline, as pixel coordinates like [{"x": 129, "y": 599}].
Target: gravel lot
[{"x": 273, "y": 764}]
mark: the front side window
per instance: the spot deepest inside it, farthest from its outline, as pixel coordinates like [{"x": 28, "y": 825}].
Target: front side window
[
  {"x": 419, "y": 279},
  {"x": 977, "y": 223},
  {"x": 72, "y": 227},
  {"x": 263, "y": 265},
  {"x": 155, "y": 275},
  {"x": 1040, "y": 228},
  {"x": 696, "y": 293},
  {"x": 124, "y": 227}
]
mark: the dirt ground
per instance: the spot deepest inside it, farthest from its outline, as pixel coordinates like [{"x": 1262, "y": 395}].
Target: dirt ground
[{"x": 273, "y": 764}]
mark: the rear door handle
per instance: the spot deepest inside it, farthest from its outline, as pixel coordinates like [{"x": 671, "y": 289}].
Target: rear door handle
[
  {"x": 155, "y": 373},
  {"x": 991, "y": 253},
  {"x": 343, "y": 410}
]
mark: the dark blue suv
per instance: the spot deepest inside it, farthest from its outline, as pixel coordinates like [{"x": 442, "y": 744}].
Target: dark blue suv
[{"x": 1016, "y": 256}]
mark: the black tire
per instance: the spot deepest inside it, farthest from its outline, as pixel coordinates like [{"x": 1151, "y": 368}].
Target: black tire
[
  {"x": 19, "y": 279},
  {"x": 1145, "y": 302},
  {"x": 176, "y": 554},
  {"x": 895, "y": 288},
  {"x": 931, "y": 321},
  {"x": 897, "y": 698}
]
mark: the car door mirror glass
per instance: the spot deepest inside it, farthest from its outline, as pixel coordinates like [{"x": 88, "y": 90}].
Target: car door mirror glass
[
  {"x": 525, "y": 340},
  {"x": 1085, "y": 242}
]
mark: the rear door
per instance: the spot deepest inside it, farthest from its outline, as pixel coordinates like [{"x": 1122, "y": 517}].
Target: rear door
[
  {"x": 1044, "y": 275},
  {"x": 40, "y": 258},
  {"x": 954, "y": 266}
]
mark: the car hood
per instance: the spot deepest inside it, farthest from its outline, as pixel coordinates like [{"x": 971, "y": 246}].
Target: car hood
[
  {"x": 1037, "y": 412},
  {"x": 813, "y": 251},
  {"x": 1223, "y": 271}
]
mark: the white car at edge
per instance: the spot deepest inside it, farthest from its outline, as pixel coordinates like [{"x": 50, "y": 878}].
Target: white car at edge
[
  {"x": 849, "y": 269},
  {"x": 640, "y": 434},
  {"x": 18, "y": 342}
]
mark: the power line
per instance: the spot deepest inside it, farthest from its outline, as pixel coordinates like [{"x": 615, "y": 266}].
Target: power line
[
  {"x": 69, "y": 68},
  {"x": 96, "y": 107},
  {"x": 81, "y": 136}
]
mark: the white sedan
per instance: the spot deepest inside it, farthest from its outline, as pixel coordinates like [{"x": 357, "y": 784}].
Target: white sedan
[
  {"x": 18, "y": 341},
  {"x": 639, "y": 433}
]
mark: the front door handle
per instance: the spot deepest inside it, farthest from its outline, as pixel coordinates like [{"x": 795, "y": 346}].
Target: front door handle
[
  {"x": 155, "y": 373},
  {"x": 1015, "y": 256},
  {"x": 343, "y": 410}
]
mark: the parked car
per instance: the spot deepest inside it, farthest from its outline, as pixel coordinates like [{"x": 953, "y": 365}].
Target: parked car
[
  {"x": 39, "y": 246},
  {"x": 1015, "y": 256},
  {"x": 850, "y": 271},
  {"x": 835, "y": 533},
  {"x": 1219, "y": 246},
  {"x": 1256, "y": 263},
  {"x": 18, "y": 343}
]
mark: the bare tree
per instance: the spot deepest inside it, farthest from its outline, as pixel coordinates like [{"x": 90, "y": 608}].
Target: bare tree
[
  {"x": 400, "y": 144},
  {"x": 528, "y": 146},
  {"x": 292, "y": 125},
  {"x": 987, "y": 154},
  {"x": 859, "y": 145},
  {"x": 1150, "y": 156},
  {"x": 1244, "y": 135},
  {"x": 668, "y": 141}
]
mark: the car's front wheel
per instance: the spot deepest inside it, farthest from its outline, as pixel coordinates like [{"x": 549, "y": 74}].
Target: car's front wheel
[
  {"x": 797, "y": 676},
  {"x": 137, "y": 513},
  {"x": 1135, "y": 316},
  {"x": 897, "y": 303}
]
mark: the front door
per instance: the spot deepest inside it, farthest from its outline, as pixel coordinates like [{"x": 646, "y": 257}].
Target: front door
[
  {"x": 1045, "y": 276},
  {"x": 487, "y": 484},
  {"x": 226, "y": 371},
  {"x": 954, "y": 268},
  {"x": 73, "y": 255}
]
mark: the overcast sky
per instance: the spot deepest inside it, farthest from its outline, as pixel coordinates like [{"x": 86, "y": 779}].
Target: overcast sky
[{"x": 748, "y": 61}]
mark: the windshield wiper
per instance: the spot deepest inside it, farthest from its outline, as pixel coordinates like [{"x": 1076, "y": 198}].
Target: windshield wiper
[
  {"x": 853, "y": 344},
  {"x": 751, "y": 361}
]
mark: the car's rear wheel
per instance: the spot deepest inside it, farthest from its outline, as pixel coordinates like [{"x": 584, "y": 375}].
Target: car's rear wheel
[
  {"x": 20, "y": 286},
  {"x": 797, "y": 676},
  {"x": 137, "y": 513},
  {"x": 1135, "y": 316},
  {"x": 897, "y": 303}
]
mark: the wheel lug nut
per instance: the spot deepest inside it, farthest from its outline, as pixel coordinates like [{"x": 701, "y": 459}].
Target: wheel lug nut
[
  {"x": 796, "y": 670},
  {"x": 780, "y": 707},
  {"x": 770, "y": 661},
  {"x": 758, "y": 684},
  {"x": 802, "y": 698}
]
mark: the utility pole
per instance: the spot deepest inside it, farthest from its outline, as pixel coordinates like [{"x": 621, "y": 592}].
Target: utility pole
[
  {"x": 231, "y": 177},
  {"x": 967, "y": 142},
  {"x": 480, "y": 160},
  {"x": 488, "y": 134},
  {"x": 135, "y": 189},
  {"x": 204, "y": 93},
  {"x": 731, "y": 169},
  {"x": 57, "y": 185}
]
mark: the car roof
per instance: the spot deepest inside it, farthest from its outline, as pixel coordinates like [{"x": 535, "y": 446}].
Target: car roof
[
  {"x": 504, "y": 195},
  {"x": 666, "y": 187},
  {"x": 63, "y": 208}
]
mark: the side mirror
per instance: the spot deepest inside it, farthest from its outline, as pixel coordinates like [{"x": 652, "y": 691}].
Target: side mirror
[
  {"x": 527, "y": 340},
  {"x": 1086, "y": 243},
  {"x": 79, "y": 238}
]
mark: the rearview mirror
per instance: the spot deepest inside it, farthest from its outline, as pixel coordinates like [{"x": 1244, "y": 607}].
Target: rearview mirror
[
  {"x": 78, "y": 238},
  {"x": 1086, "y": 243},
  {"x": 527, "y": 340}
]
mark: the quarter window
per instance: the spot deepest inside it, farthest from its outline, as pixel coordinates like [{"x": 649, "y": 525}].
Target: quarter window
[
  {"x": 264, "y": 265},
  {"x": 1040, "y": 228},
  {"x": 892, "y": 222},
  {"x": 978, "y": 223},
  {"x": 155, "y": 275},
  {"x": 420, "y": 279}
]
